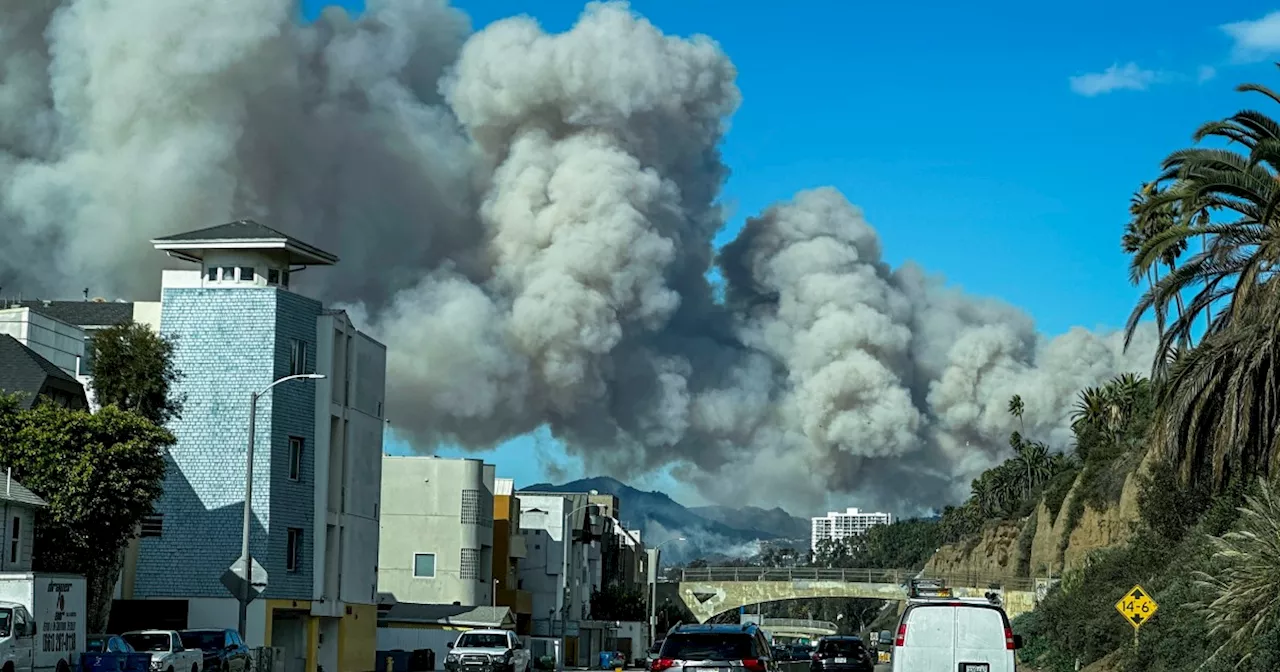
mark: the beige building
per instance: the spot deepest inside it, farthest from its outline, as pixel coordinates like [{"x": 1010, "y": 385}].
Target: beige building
[{"x": 436, "y": 542}]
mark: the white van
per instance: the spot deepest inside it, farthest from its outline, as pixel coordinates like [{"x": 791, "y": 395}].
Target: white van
[{"x": 954, "y": 635}]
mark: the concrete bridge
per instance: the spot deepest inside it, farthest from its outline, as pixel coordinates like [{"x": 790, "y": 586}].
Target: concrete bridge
[{"x": 708, "y": 591}]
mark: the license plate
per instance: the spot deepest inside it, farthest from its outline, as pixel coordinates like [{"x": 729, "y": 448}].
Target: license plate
[
  {"x": 975, "y": 667},
  {"x": 841, "y": 661}
]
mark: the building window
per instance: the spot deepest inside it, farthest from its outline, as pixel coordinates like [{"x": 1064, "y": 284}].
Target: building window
[
  {"x": 293, "y": 550},
  {"x": 471, "y": 507},
  {"x": 295, "y": 458},
  {"x": 14, "y": 536},
  {"x": 273, "y": 276},
  {"x": 246, "y": 273},
  {"x": 470, "y": 564},
  {"x": 284, "y": 278},
  {"x": 228, "y": 273},
  {"x": 424, "y": 565},
  {"x": 298, "y": 358},
  {"x": 153, "y": 526},
  {"x": 211, "y": 273}
]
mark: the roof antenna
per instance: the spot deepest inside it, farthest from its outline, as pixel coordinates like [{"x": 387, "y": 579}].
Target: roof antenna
[{"x": 86, "y": 293}]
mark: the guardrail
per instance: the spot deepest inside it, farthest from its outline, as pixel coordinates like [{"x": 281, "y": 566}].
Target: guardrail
[{"x": 856, "y": 575}]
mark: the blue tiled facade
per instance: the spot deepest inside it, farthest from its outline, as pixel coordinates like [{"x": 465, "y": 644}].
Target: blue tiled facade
[{"x": 229, "y": 342}]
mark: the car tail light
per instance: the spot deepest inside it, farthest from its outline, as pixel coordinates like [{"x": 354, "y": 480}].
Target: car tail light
[
  {"x": 902, "y": 636},
  {"x": 815, "y": 656},
  {"x": 1008, "y": 638},
  {"x": 754, "y": 664},
  {"x": 663, "y": 664}
]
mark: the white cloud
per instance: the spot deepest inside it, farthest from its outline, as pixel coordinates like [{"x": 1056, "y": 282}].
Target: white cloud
[
  {"x": 1206, "y": 73},
  {"x": 1254, "y": 40},
  {"x": 1114, "y": 78}
]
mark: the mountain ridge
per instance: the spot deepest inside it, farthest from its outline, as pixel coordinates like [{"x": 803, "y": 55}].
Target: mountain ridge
[{"x": 710, "y": 531}]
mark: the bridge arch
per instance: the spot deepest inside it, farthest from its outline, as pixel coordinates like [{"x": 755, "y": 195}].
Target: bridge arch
[{"x": 709, "y": 591}]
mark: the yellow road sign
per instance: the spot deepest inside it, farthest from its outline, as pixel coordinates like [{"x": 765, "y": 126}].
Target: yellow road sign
[{"x": 1137, "y": 607}]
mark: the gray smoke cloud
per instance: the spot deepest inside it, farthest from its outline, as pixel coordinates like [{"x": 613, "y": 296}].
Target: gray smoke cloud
[{"x": 526, "y": 219}]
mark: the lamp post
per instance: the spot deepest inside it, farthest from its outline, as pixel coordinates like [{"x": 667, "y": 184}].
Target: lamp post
[
  {"x": 563, "y": 605},
  {"x": 653, "y": 588},
  {"x": 245, "y": 597}
]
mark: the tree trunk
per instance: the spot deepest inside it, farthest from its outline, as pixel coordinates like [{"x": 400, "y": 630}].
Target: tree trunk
[{"x": 100, "y": 585}]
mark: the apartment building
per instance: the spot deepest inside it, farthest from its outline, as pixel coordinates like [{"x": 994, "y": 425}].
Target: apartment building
[
  {"x": 239, "y": 327},
  {"x": 509, "y": 552},
  {"x": 62, "y": 331},
  {"x": 542, "y": 524},
  {"x": 437, "y": 541},
  {"x": 837, "y": 525}
]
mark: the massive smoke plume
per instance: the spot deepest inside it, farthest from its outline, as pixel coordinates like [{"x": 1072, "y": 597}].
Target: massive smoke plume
[{"x": 526, "y": 220}]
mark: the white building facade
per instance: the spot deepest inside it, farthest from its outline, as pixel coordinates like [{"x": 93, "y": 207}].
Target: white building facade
[
  {"x": 542, "y": 525},
  {"x": 837, "y": 525},
  {"x": 436, "y": 542}
]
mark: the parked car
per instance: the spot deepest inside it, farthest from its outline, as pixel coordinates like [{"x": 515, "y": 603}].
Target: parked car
[
  {"x": 727, "y": 648},
  {"x": 488, "y": 650},
  {"x": 841, "y": 653},
  {"x": 965, "y": 635},
  {"x": 652, "y": 654},
  {"x": 223, "y": 649},
  {"x": 166, "y": 650}
]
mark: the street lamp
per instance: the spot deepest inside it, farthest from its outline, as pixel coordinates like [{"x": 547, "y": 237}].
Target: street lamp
[
  {"x": 653, "y": 588},
  {"x": 563, "y": 605},
  {"x": 248, "y": 496}
]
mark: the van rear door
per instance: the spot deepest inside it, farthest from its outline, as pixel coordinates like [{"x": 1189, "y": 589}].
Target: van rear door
[
  {"x": 980, "y": 639},
  {"x": 929, "y": 641},
  {"x": 951, "y": 637}
]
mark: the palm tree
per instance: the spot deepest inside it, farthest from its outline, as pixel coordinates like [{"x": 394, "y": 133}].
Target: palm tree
[
  {"x": 1239, "y": 253},
  {"x": 1219, "y": 409},
  {"x": 1016, "y": 408},
  {"x": 1243, "y": 586},
  {"x": 1150, "y": 216}
]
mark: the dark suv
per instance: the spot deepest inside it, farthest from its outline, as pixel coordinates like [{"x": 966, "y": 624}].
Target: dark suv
[
  {"x": 844, "y": 653},
  {"x": 716, "y": 648}
]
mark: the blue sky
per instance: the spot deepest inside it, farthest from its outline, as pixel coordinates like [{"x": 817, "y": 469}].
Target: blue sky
[{"x": 998, "y": 146}]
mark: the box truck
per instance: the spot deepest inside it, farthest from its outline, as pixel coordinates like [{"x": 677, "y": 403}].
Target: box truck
[{"x": 42, "y": 626}]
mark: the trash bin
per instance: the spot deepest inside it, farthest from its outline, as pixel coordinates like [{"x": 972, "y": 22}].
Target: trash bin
[
  {"x": 422, "y": 660},
  {"x": 606, "y": 657}
]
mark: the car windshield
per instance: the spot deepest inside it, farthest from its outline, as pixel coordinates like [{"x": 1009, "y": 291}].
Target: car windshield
[
  {"x": 839, "y": 647},
  {"x": 141, "y": 641},
  {"x": 708, "y": 646},
  {"x": 657, "y": 646},
  {"x": 205, "y": 641},
  {"x": 483, "y": 640}
]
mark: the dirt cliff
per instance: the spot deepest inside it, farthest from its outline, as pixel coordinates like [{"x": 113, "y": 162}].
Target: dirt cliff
[{"x": 997, "y": 552}]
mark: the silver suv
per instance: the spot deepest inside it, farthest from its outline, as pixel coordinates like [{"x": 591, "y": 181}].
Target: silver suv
[{"x": 715, "y": 648}]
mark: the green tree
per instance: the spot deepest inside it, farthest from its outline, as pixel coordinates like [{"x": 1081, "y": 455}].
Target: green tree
[
  {"x": 100, "y": 474},
  {"x": 616, "y": 603},
  {"x": 133, "y": 369}
]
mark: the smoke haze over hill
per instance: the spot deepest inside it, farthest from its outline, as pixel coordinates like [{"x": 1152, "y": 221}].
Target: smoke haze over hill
[{"x": 526, "y": 219}]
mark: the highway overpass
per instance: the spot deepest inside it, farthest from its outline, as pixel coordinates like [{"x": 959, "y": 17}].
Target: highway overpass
[{"x": 708, "y": 591}]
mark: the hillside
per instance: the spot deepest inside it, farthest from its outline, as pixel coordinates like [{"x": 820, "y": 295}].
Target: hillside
[
  {"x": 773, "y": 521},
  {"x": 718, "y": 533}
]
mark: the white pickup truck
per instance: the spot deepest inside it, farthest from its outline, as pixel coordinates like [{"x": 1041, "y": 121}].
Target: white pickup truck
[{"x": 167, "y": 652}]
